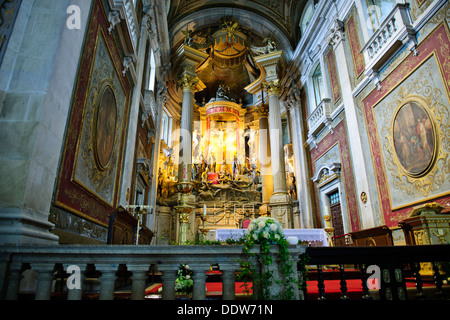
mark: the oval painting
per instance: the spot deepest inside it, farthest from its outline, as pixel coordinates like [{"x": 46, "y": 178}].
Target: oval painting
[
  {"x": 414, "y": 138},
  {"x": 106, "y": 127}
]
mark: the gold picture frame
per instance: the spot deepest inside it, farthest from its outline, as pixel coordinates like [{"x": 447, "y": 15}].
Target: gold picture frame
[
  {"x": 414, "y": 137},
  {"x": 105, "y": 123}
]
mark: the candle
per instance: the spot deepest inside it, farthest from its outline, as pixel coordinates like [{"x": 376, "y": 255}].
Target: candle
[{"x": 204, "y": 209}]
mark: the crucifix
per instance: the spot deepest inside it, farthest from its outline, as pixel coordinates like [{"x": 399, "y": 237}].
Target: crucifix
[{"x": 139, "y": 210}]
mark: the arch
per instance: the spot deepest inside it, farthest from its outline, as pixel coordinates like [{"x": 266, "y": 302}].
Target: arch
[{"x": 247, "y": 20}]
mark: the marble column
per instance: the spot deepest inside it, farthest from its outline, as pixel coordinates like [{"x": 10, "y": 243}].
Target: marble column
[
  {"x": 188, "y": 84},
  {"x": 264, "y": 158},
  {"x": 280, "y": 201}
]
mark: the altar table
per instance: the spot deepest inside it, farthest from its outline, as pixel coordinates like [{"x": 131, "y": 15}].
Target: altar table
[{"x": 317, "y": 236}]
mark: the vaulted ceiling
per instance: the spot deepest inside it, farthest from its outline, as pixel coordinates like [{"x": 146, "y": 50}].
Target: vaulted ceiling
[
  {"x": 279, "y": 17},
  {"x": 258, "y": 21}
]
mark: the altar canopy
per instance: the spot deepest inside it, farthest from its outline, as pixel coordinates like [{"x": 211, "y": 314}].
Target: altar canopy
[{"x": 316, "y": 236}]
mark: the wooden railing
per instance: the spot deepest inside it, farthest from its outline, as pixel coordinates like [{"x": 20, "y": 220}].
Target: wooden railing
[
  {"x": 396, "y": 265},
  {"x": 113, "y": 265}
]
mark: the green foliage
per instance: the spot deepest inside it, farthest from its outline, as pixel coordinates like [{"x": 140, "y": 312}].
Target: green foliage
[
  {"x": 183, "y": 282},
  {"x": 266, "y": 232}
]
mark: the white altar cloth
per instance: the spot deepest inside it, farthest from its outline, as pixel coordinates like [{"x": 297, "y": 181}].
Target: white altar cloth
[{"x": 318, "y": 236}]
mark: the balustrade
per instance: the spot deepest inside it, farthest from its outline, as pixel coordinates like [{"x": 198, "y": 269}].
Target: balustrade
[
  {"x": 319, "y": 118},
  {"x": 108, "y": 264},
  {"x": 396, "y": 30}
]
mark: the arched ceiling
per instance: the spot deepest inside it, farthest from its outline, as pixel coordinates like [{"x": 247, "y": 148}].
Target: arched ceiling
[
  {"x": 280, "y": 17},
  {"x": 258, "y": 20}
]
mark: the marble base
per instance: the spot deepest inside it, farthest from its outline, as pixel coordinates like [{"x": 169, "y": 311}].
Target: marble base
[{"x": 281, "y": 208}]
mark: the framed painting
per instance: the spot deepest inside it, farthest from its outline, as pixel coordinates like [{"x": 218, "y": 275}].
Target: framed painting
[
  {"x": 105, "y": 127},
  {"x": 414, "y": 138}
]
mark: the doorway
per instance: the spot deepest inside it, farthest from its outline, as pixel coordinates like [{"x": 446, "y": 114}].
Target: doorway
[{"x": 336, "y": 213}]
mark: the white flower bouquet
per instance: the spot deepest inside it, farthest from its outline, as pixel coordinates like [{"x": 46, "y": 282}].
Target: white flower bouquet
[
  {"x": 265, "y": 230},
  {"x": 183, "y": 282}
]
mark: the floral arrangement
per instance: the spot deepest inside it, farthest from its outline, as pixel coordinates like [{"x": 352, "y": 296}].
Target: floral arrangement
[
  {"x": 183, "y": 282},
  {"x": 265, "y": 230}
]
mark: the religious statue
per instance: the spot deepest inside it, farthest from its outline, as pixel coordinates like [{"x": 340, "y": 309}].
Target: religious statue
[
  {"x": 222, "y": 92},
  {"x": 292, "y": 189},
  {"x": 235, "y": 168},
  {"x": 224, "y": 171},
  {"x": 212, "y": 163},
  {"x": 255, "y": 179}
]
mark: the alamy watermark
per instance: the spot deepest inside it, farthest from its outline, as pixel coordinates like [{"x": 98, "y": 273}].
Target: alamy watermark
[{"x": 73, "y": 21}]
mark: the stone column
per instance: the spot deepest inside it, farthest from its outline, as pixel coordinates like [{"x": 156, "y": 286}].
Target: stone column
[
  {"x": 280, "y": 201},
  {"x": 265, "y": 158}
]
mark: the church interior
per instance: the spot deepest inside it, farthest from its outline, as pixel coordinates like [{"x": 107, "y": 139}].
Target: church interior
[{"x": 166, "y": 123}]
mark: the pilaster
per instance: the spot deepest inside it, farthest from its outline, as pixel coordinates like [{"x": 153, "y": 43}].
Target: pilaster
[{"x": 337, "y": 38}]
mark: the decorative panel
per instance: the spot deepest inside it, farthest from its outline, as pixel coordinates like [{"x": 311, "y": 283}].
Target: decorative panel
[
  {"x": 335, "y": 88},
  {"x": 409, "y": 132},
  {"x": 90, "y": 173},
  {"x": 338, "y": 141},
  {"x": 355, "y": 46}
]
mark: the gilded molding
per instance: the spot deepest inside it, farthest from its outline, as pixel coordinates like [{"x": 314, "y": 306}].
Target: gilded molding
[
  {"x": 188, "y": 82},
  {"x": 262, "y": 110},
  {"x": 273, "y": 87}
]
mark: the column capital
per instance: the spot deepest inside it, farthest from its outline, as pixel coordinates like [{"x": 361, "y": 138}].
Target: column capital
[
  {"x": 188, "y": 82},
  {"x": 273, "y": 87},
  {"x": 262, "y": 110},
  {"x": 337, "y": 33}
]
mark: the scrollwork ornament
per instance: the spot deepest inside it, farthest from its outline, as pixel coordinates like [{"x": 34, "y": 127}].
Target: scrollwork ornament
[{"x": 430, "y": 178}]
